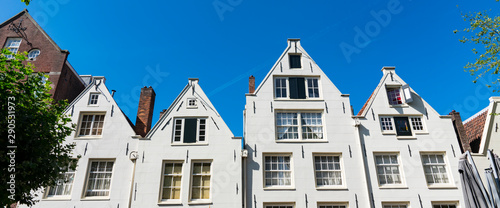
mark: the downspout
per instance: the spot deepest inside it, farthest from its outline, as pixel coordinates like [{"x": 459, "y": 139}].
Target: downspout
[
  {"x": 244, "y": 159},
  {"x": 132, "y": 156}
]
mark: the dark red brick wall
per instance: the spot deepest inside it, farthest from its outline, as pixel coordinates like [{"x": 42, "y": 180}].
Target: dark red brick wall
[
  {"x": 463, "y": 140},
  {"x": 145, "y": 111},
  {"x": 68, "y": 86},
  {"x": 474, "y": 128}
]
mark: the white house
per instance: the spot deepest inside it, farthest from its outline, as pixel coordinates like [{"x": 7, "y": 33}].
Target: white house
[
  {"x": 190, "y": 158},
  {"x": 105, "y": 139},
  {"x": 411, "y": 152},
  {"x": 303, "y": 149}
]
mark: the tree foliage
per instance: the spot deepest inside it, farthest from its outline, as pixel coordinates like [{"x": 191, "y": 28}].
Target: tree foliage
[
  {"x": 485, "y": 32},
  {"x": 33, "y": 128},
  {"x": 27, "y": 2}
]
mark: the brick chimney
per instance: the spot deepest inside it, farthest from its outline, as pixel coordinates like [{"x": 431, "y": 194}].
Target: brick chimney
[
  {"x": 251, "y": 84},
  {"x": 460, "y": 131},
  {"x": 145, "y": 111}
]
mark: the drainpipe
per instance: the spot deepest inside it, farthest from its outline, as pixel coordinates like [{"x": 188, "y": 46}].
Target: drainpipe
[{"x": 132, "y": 156}]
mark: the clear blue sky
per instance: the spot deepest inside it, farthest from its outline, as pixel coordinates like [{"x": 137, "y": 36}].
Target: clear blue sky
[{"x": 163, "y": 43}]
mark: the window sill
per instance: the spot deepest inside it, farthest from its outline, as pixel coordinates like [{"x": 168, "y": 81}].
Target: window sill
[
  {"x": 444, "y": 186},
  {"x": 421, "y": 133},
  {"x": 399, "y": 106},
  {"x": 55, "y": 198},
  {"x": 287, "y": 188},
  {"x": 88, "y": 137},
  {"x": 305, "y": 99},
  {"x": 176, "y": 202},
  {"x": 208, "y": 201},
  {"x": 95, "y": 199},
  {"x": 302, "y": 141},
  {"x": 332, "y": 188},
  {"x": 393, "y": 187},
  {"x": 189, "y": 144},
  {"x": 389, "y": 133},
  {"x": 406, "y": 137}
]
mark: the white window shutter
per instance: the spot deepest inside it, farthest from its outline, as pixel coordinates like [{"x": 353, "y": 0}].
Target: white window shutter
[{"x": 407, "y": 93}]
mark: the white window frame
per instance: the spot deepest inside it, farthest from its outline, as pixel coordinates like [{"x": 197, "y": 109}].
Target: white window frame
[
  {"x": 333, "y": 204},
  {"x": 94, "y": 97},
  {"x": 33, "y": 52},
  {"x": 401, "y": 96},
  {"x": 446, "y": 167},
  {"x": 193, "y": 162},
  {"x": 340, "y": 170},
  {"x": 399, "y": 166},
  {"x": 191, "y": 103},
  {"x": 278, "y": 205},
  {"x": 264, "y": 171},
  {"x": 70, "y": 173},
  {"x": 93, "y": 114},
  {"x": 395, "y": 204},
  {"x": 414, "y": 131},
  {"x": 299, "y": 126},
  {"x": 182, "y": 125},
  {"x": 163, "y": 175},
  {"x": 87, "y": 178},
  {"x": 444, "y": 204},
  {"x": 14, "y": 49},
  {"x": 306, "y": 82}
]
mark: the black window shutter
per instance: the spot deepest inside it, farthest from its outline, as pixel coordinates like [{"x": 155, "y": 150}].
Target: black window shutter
[
  {"x": 190, "y": 130},
  {"x": 403, "y": 127},
  {"x": 297, "y": 87},
  {"x": 294, "y": 61}
]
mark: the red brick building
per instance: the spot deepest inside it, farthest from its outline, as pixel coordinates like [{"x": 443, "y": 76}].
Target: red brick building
[{"x": 22, "y": 33}]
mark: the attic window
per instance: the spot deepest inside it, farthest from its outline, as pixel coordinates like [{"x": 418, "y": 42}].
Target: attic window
[
  {"x": 398, "y": 95},
  {"x": 294, "y": 61},
  {"x": 33, "y": 54},
  {"x": 192, "y": 103},
  {"x": 12, "y": 45},
  {"x": 93, "y": 98}
]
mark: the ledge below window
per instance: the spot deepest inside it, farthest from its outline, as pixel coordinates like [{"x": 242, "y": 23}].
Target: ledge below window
[
  {"x": 189, "y": 144},
  {"x": 444, "y": 186},
  {"x": 67, "y": 198},
  {"x": 399, "y": 106},
  {"x": 393, "y": 187},
  {"x": 340, "y": 188},
  {"x": 94, "y": 199},
  {"x": 287, "y": 188},
  {"x": 302, "y": 141},
  {"x": 176, "y": 202},
  {"x": 208, "y": 201}
]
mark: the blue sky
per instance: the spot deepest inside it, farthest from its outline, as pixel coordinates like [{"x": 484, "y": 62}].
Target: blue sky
[{"x": 163, "y": 43}]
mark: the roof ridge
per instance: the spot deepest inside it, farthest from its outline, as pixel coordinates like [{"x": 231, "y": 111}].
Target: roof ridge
[{"x": 484, "y": 110}]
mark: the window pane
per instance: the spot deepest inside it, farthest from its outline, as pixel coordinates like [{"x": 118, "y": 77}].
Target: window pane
[
  {"x": 99, "y": 180},
  {"x": 172, "y": 177},
  {"x": 388, "y": 169},
  {"x": 394, "y": 96},
  {"x": 328, "y": 172},
  {"x": 277, "y": 171},
  {"x": 280, "y": 88},
  {"x": 200, "y": 188},
  {"x": 312, "y": 87}
]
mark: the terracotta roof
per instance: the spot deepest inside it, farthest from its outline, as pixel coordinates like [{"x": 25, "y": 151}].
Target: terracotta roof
[
  {"x": 474, "y": 126},
  {"x": 366, "y": 103}
]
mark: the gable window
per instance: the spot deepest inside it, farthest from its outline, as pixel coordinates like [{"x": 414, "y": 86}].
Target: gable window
[
  {"x": 388, "y": 169},
  {"x": 294, "y": 60},
  {"x": 33, "y": 54},
  {"x": 12, "y": 45},
  {"x": 190, "y": 130},
  {"x": 394, "y": 96},
  {"x": 91, "y": 125},
  {"x": 99, "y": 178},
  {"x": 277, "y": 171},
  {"x": 192, "y": 103},
  {"x": 296, "y": 87},
  {"x": 93, "y": 98},
  {"x": 63, "y": 185},
  {"x": 171, "y": 184},
  {"x": 328, "y": 170},
  {"x": 200, "y": 185},
  {"x": 402, "y": 126},
  {"x": 435, "y": 168},
  {"x": 299, "y": 126}
]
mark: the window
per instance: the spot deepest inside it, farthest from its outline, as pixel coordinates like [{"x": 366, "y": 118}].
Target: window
[
  {"x": 91, "y": 125},
  {"x": 388, "y": 169},
  {"x": 172, "y": 175},
  {"x": 190, "y": 130},
  {"x": 435, "y": 169},
  {"x": 394, "y": 96},
  {"x": 200, "y": 184},
  {"x": 279, "y": 206},
  {"x": 395, "y": 205},
  {"x": 332, "y": 205},
  {"x": 402, "y": 126},
  {"x": 296, "y": 87},
  {"x": 294, "y": 60},
  {"x": 99, "y": 178},
  {"x": 33, "y": 54},
  {"x": 328, "y": 170},
  {"x": 12, "y": 45},
  {"x": 63, "y": 185},
  {"x": 277, "y": 171},
  {"x": 93, "y": 98},
  {"x": 192, "y": 103},
  {"x": 299, "y": 126},
  {"x": 444, "y": 205}
]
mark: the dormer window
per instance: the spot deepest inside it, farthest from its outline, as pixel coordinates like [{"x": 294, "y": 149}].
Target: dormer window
[
  {"x": 296, "y": 87},
  {"x": 33, "y": 54},
  {"x": 192, "y": 103},
  {"x": 295, "y": 61},
  {"x": 12, "y": 45},
  {"x": 398, "y": 95},
  {"x": 93, "y": 98}
]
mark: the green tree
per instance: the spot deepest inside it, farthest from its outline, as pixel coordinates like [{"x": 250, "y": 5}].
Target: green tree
[
  {"x": 27, "y": 2},
  {"x": 485, "y": 32},
  {"x": 32, "y": 131}
]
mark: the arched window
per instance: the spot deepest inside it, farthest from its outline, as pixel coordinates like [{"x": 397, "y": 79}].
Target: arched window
[{"x": 33, "y": 54}]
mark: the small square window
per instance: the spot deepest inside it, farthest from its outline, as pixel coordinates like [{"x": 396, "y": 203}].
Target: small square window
[
  {"x": 93, "y": 98},
  {"x": 386, "y": 124},
  {"x": 192, "y": 103},
  {"x": 295, "y": 60}
]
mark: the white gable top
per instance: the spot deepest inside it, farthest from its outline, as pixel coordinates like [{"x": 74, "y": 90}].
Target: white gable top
[{"x": 476, "y": 115}]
